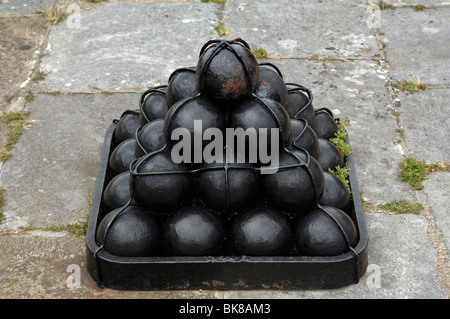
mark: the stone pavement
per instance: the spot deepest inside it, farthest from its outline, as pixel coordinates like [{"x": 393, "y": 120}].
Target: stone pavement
[{"x": 80, "y": 74}]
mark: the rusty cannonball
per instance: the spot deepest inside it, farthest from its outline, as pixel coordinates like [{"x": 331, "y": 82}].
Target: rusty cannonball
[
  {"x": 260, "y": 231},
  {"x": 193, "y": 231},
  {"x": 182, "y": 84},
  {"x": 129, "y": 232},
  {"x": 324, "y": 232},
  {"x": 227, "y": 70},
  {"x": 271, "y": 84}
]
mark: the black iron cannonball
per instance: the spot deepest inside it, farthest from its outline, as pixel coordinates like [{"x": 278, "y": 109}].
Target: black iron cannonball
[
  {"x": 159, "y": 184},
  {"x": 186, "y": 113},
  {"x": 122, "y": 156},
  {"x": 303, "y": 136},
  {"x": 117, "y": 192},
  {"x": 228, "y": 186},
  {"x": 153, "y": 105},
  {"x": 126, "y": 127},
  {"x": 129, "y": 232},
  {"x": 150, "y": 138},
  {"x": 324, "y": 125},
  {"x": 329, "y": 155},
  {"x": 318, "y": 234},
  {"x": 293, "y": 189},
  {"x": 227, "y": 70},
  {"x": 271, "y": 84},
  {"x": 260, "y": 115},
  {"x": 182, "y": 84},
  {"x": 335, "y": 193},
  {"x": 193, "y": 231},
  {"x": 260, "y": 231},
  {"x": 299, "y": 104}
]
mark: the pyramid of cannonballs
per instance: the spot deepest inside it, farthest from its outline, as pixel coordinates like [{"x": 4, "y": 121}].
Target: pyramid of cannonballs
[{"x": 226, "y": 159}]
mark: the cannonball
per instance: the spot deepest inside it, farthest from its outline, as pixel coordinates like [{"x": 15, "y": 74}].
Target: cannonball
[
  {"x": 188, "y": 113},
  {"x": 193, "y": 231},
  {"x": 293, "y": 189},
  {"x": 127, "y": 126},
  {"x": 117, "y": 192},
  {"x": 182, "y": 84},
  {"x": 260, "y": 115},
  {"x": 318, "y": 233},
  {"x": 271, "y": 84},
  {"x": 159, "y": 184},
  {"x": 150, "y": 138},
  {"x": 299, "y": 105},
  {"x": 153, "y": 105},
  {"x": 227, "y": 70},
  {"x": 260, "y": 231},
  {"x": 335, "y": 193},
  {"x": 324, "y": 125},
  {"x": 303, "y": 137},
  {"x": 122, "y": 156},
  {"x": 129, "y": 232},
  {"x": 329, "y": 155},
  {"x": 228, "y": 186}
]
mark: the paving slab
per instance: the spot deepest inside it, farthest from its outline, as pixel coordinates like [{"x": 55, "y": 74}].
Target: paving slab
[
  {"x": 417, "y": 2},
  {"x": 357, "y": 90},
  {"x": 24, "y": 6},
  {"x": 114, "y": 51},
  {"x": 436, "y": 189},
  {"x": 21, "y": 37},
  {"x": 417, "y": 43},
  {"x": 49, "y": 265},
  {"x": 425, "y": 117},
  {"x": 54, "y": 166},
  {"x": 305, "y": 28}
]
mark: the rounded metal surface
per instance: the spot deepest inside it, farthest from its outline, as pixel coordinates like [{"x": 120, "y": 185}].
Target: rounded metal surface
[
  {"x": 303, "y": 137},
  {"x": 129, "y": 232},
  {"x": 150, "y": 138},
  {"x": 327, "y": 232},
  {"x": 260, "y": 231},
  {"x": 182, "y": 84},
  {"x": 117, "y": 193},
  {"x": 329, "y": 155},
  {"x": 271, "y": 84},
  {"x": 122, "y": 156},
  {"x": 294, "y": 189},
  {"x": 159, "y": 184},
  {"x": 335, "y": 193},
  {"x": 227, "y": 70},
  {"x": 325, "y": 125},
  {"x": 193, "y": 231}
]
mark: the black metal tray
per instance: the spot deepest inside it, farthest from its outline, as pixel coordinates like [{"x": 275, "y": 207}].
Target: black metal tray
[{"x": 221, "y": 272}]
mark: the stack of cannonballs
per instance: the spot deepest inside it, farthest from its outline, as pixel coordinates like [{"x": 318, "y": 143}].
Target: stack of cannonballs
[{"x": 164, "y": 197}]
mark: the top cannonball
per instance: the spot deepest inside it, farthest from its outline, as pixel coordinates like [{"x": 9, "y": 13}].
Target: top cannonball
[{"x": 227, "y": 70}]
